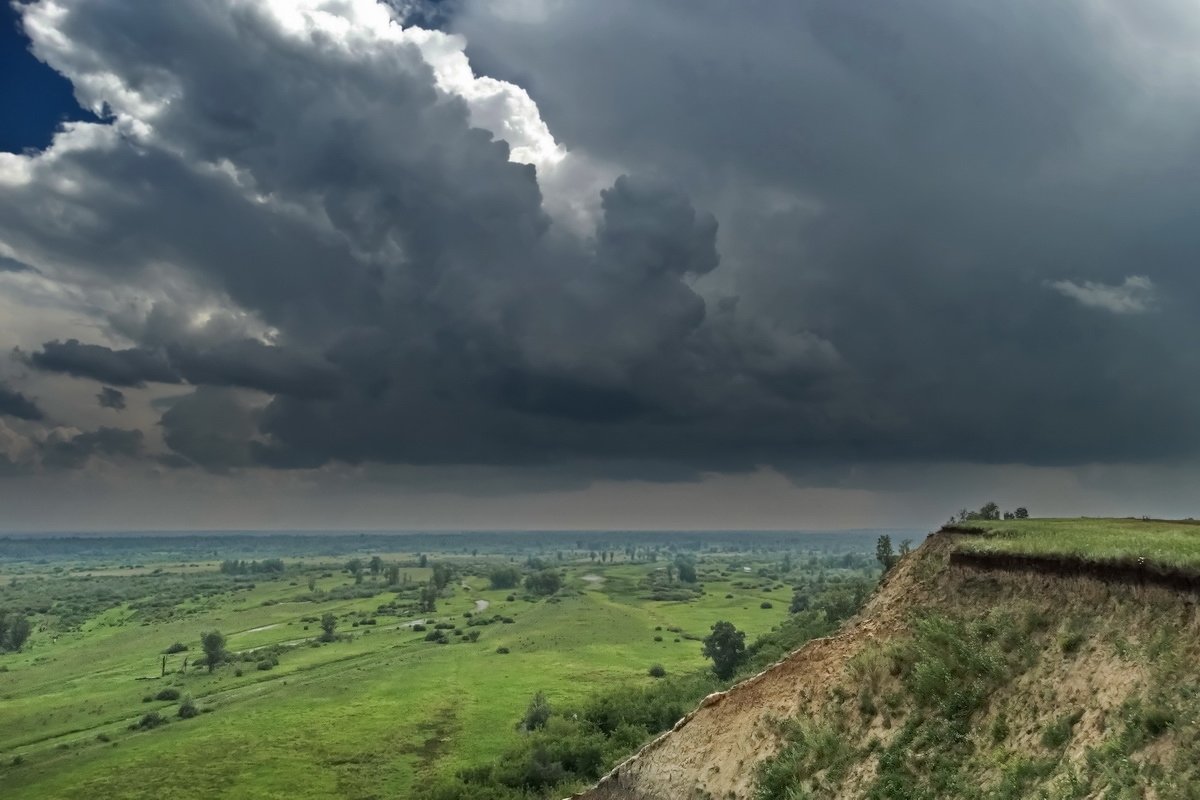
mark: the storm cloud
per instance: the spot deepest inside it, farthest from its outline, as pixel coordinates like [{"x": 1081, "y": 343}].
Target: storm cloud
[
  {"x": 700, "y": 235},
  {"x": 15, "y": 404}
]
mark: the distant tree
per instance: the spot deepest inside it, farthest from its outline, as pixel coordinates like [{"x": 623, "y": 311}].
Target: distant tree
[
  {"x": 726, "y": 646},
  {"x": 544, "y": 582},
  {"x": 504, "y": 577},
  {"x": 883, "y": 552},
  {"x": 989, "y": 510},
  {"x": 213, "y": 644},
  {"x": 905, "y": 547},
  {"x": 376, "y": 565},
  {"x": 422, "y": 560},
  {"x": 328, "y": 627},
  {"x": 18, "y": 632},
  {"x": 670, "y": 572},
  {"x": 4, "y": 623},
  {"x": 1009, "y": 515},
  {"x": 786, "y": 566},
  {"x": 686, "y": 568},
  {"x": 392, "y": 574},
  {"x": 427, "y": 600},
  {"x": 354, "y": 566},
  {"x": 537, "y": 714},
  {"x": 442, "y": 575},
  {"x": 800, "y": 602},
  {"x": 1021, "y": 513},
  {"x": 312, "y": 583}
]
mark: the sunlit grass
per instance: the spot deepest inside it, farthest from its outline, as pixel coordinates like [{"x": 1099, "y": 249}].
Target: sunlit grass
[{"x": 1164, "y": 543}]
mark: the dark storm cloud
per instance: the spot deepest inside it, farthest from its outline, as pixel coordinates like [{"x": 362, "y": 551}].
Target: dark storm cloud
[
  {"x": 847, "y": 233},
  {"x": 131, "y": 367},
  {"x": 15, "y": 404},
  {"x": 246, "y": 362},
  {"x": 108, "y": 397},
  {"x": 74, "y": 452}
]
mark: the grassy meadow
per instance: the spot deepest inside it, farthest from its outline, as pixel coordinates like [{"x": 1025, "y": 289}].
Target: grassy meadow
[
  {"x": 379, "y": 711},
  {"x": 1173, "y": 544}
]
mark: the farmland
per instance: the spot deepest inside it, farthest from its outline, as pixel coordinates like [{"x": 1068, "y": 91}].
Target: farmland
[{"x": 412, "y": 685}]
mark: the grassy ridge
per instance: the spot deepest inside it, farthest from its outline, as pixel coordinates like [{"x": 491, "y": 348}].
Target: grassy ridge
[{"x": 1164, "y": 543}]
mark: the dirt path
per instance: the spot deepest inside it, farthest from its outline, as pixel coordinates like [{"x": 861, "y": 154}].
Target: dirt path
[{"x": 481, "y": 605}]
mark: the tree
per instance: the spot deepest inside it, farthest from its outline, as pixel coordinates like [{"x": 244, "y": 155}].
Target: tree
[
  {"x": 392, "y": 574},
  {"x": 537, "y": 714},
  {"x": 905, "y": 547},
  {"x": 800, "y": 602},
  {"x": 18, "y": 632},
  {"x": 544, "y": 582},
  {"x": 427, "y": 601},
  {"x": 883, "y": 552},
  {"x": 312, "y": 583},
  {"x": 376, "y": 565},
  {"x": 686, "y": 568},
  {"x": 989, "y": 510},
  {"x": 328, "y": 627},
  {"x": 422, "y": 560},
  {"x": 505, "y": 577},
  {"x": 441, "y": 575},
  {"x": 213, "y": 644},
  {"x": 1021, "y": 513},
  {"x": 726, "y": 646}
]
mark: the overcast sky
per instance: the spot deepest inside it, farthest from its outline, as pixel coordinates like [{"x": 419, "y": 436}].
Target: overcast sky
[{"x": 563, "y": 263}]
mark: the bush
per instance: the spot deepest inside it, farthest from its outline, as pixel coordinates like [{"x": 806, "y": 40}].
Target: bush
[
  {"x": 765, "y": 604},
  {"x": 167, "y": 694},
  {"x": 438, "y": 636},
  {"x": 502, "y": 651},
  {"x": 187, "y": 709},
  {"x": 419, "y": 628},
  {"x": 266, "y": 664},
  {"x": 151, "y": 720},
  {"x": 658, "y": 638},
  {"x": 657, "y": 671},
  {"x": 178, "y": 647}
]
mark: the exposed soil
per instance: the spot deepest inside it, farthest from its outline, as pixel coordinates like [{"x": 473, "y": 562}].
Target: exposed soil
[{"x": 713, "y": 751}]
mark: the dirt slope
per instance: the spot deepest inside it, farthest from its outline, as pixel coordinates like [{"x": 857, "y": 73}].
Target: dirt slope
[{"x": 1083, "y": 658}]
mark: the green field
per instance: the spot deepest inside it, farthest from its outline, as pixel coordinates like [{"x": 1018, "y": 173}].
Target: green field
[
  {"x": 1174, "y": 544},
  {"x": 376, "y": 713}
]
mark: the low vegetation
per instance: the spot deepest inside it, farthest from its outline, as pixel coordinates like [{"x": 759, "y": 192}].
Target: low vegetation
[{"x": 397, "y": 672}]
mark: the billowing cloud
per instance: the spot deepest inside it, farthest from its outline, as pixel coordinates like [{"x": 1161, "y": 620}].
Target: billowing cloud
[
  {"x": 15, "y": 404},
  {"x": 1132, "y": 296},
  {"x": 617, "y": 236},
  {"x": 108, "y": 397},
  {"x": 129, "y": 367}
]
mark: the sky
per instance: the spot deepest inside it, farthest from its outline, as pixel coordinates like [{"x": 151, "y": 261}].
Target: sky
[{"x": 566, "y": 264}]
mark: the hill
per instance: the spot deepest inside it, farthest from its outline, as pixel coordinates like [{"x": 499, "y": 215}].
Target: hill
[{"x": 1053, "y": 658}]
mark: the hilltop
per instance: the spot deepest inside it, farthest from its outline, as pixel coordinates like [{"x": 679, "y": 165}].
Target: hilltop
[{"x": 1000, "y": 659}]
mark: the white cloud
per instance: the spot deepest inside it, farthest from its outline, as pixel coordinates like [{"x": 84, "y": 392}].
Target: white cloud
[{"x": 1134, "y": 296}]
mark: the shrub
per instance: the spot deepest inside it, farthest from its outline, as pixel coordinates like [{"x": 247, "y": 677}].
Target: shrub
[
  {"x": 765, "y": 604},
  {"x": 658, "y": 638},
  {"x": 502, "y": 651},
  {"x": 1058, "y": 732},
  {"x": 187, "y": 709},
  {"x": 473, "y": 636},
  {"x": 178, "y": 647},
  {"x": 419, "y": 628},
  {"x": 167, "y": 694},
  {"x": 151, "y": 720},
  {"x": 657, "y": 671},
  {"x": 438, "y": 636},
  {"x": 266, "y": 664}
]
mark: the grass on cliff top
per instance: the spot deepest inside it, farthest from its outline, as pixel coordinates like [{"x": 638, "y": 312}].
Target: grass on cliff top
[{"x": 1165, "y": 543}]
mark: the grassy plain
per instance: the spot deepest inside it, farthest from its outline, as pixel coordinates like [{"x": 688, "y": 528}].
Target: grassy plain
[
  {"x": 371, "y": 715},
  {"x": 1168, "y": 543}
]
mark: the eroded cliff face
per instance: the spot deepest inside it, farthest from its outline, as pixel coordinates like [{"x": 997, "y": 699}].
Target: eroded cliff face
[{"x": 1083, "y": 657}]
